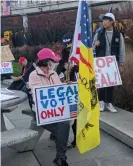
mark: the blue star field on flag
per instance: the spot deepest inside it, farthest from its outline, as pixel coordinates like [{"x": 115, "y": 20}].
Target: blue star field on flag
[{"x": 85, "y": 25}]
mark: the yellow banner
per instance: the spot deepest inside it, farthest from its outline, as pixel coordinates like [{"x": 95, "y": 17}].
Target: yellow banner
[
  {"x": 7, "y": 35},
  {"x": 88, "y": 134},
  {"x": 6, "y": 54}
]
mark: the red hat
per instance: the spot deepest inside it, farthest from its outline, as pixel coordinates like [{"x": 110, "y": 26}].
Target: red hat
[
  {"x": 21, "y": 59},
  {"x": 47, "y": 53}
]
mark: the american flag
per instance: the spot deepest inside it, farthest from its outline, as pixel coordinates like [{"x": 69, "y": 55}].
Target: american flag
[
  {"x": 76, "y": 54},
  {"x": 85, "y": 138},
  {"x": 6, "y": 7},
  {"x": 85, "y": 25},
  {"x": 73, "y": 111},
  {"x": 82, "y": 25},
  {"x": 82, "y": 28}
]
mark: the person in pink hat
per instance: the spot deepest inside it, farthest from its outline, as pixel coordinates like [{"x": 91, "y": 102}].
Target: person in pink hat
[{"x": 44, "y": 75}]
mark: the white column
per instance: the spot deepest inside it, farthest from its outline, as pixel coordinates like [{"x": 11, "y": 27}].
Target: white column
[
  {"x": 24, "y": 4},
  {"x": 25, "y": 21}
]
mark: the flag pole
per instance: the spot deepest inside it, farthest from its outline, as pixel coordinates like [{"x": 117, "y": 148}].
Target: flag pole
[
  {"x": 68, "y": 69},
  {"x": 73, "y": 44}
]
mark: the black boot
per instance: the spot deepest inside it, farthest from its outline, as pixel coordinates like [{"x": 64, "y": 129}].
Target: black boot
[
  {"x": 60, "y": 162},
  {"x": 52, "y": 137},
  {"x": 73, "y": 144}
]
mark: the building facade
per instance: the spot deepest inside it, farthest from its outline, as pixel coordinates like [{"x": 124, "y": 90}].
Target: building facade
[
  {"x": 20, "y": 10},
  {"x": 47, "y": 16}
]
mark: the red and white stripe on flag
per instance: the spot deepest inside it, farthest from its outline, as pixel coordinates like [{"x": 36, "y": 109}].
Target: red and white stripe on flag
[{"x": 75, "y": 54}]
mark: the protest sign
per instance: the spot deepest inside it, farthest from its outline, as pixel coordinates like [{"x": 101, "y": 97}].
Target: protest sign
[
  {"x": 6, "y": 54},
  {"x": 107, "y": 72},
  {"x": 6, "y": 67},
  {"x": 55, "y": 103}
]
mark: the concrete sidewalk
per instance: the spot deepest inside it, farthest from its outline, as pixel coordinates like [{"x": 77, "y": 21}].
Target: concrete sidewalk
[
  {"x": 119, "y": 125},
  {"x": 111, "y": 152}
]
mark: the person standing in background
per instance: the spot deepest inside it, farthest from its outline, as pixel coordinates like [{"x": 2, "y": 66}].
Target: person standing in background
[
  {"x": 70, "y": 74},
  {"x": 109, "y": 41}
]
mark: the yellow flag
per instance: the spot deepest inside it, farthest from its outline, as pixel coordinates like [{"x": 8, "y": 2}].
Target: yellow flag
[{"x": 88, "y": 134}]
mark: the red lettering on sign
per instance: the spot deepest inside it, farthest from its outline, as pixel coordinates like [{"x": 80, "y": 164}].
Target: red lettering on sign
[
  {"x": 109, "y": 60},
  {"x": 104, "y": 81},
  {"x": 97, "y": 85},
  {"x": 56, "y": 113},
  {"x": 61, "y": 110},
  {"x": 43, "y": 115},
  {"x": 100, "y": 62},
  {"x": 109, "y": 81},
  {"x": 5, "y": 64},
  {"x": 50, "y": 113}
]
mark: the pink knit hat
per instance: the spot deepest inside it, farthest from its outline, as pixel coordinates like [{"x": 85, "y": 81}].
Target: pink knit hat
[{"x": 47, "y": 53}]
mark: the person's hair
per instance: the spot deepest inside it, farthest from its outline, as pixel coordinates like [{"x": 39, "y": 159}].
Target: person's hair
[
  {"x": 34, "y": 54},
  {"x": 107, "y": 18},
  {"x": 43, "y": 63},
  {"x": 114, "y": 25},
  {"x": 65, "y": 55}
]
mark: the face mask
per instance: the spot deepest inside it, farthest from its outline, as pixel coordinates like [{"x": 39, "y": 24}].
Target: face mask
[
  {"x": 66, "y": 66},
  {"x": 51, "y": 65}
]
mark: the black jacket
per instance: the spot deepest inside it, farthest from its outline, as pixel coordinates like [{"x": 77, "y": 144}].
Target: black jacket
[
  {"x": 115, "y": 44},
  {"x": 74, "y": 71},
  {"x": 29, "y": 69}
]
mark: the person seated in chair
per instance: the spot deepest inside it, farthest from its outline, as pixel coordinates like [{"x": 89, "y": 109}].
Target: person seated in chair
[
  {"x": 44, "y": 75},
  {"x": 20, "y": 82}
]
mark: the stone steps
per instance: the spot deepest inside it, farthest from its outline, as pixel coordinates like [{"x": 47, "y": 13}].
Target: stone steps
[{"x": 119, "y": 125}]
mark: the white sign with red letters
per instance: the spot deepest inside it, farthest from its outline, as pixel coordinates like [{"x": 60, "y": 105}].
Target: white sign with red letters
[
  {"x": 6, "y": 67},
  {"x": 107, "y": 72}
]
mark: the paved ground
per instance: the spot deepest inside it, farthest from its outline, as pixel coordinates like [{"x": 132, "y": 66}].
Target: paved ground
[{"x": 111, "y": 152}]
